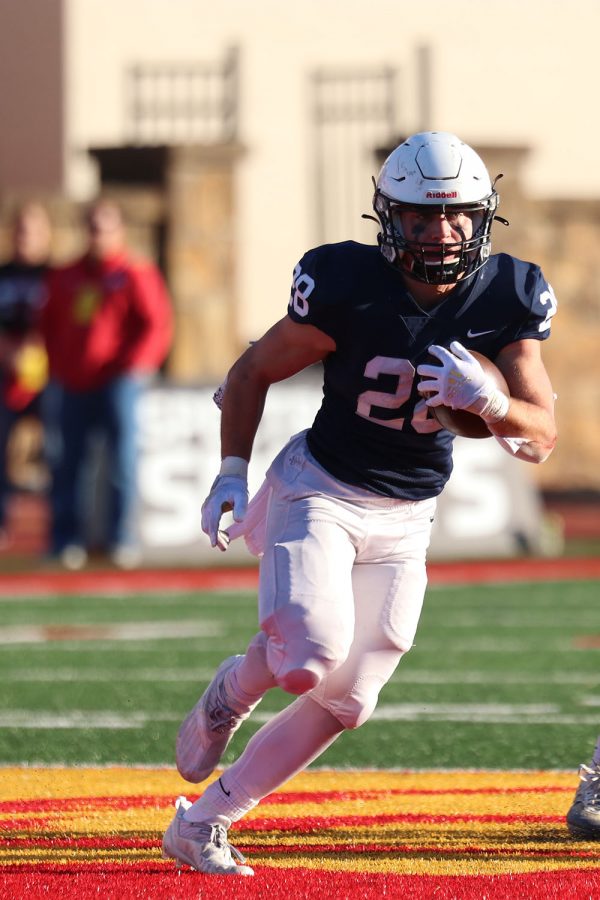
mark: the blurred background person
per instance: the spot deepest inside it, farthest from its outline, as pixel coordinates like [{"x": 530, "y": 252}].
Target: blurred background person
[
  {"x": 23, "y": 362},
  {"x": 107, "y": 326}
]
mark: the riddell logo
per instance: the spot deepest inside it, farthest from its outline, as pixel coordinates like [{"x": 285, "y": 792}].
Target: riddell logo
[{"x": 441, "y": 195}]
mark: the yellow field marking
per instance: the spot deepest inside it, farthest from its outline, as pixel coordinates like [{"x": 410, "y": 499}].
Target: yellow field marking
[
  {"x": 467, "y": 833},
  {"x": 23, "y": 783}
]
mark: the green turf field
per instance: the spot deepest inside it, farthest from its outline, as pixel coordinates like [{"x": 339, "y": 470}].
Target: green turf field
[{"x": 504, "y": 676}]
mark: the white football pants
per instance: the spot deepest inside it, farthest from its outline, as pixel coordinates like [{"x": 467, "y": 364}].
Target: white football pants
[
  {"x": 341, "y": 588},
  {"x": 342, "y": 581}
]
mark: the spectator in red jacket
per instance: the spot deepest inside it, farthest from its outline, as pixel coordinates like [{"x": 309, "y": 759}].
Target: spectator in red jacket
[{"x": 107, "y": 326}]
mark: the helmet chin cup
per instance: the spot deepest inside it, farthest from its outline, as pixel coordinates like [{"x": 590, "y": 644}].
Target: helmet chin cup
[
  {"x": 441, "y": 271},
  {"x": 435, "y": 171}
]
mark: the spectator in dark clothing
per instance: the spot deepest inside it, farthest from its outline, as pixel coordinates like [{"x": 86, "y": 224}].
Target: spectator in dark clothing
[
  {"x": 23, "y": 362},
  {"x": 107, "y": 325}
]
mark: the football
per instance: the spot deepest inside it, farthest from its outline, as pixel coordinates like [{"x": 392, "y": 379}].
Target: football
[{"x": 463, "y": 423}]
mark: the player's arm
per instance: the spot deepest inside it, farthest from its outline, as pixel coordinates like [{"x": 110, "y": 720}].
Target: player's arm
[
  {"x": 522, "y": 421},
  {"x": 284, "y": 350},
  {"x": 530, "y": 415}
]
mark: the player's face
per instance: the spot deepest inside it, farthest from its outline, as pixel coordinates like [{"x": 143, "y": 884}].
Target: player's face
[{"x": 436, "y": 226}]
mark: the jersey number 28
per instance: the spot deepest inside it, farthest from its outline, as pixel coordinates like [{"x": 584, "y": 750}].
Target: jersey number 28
[{"x": 405, "y": 372}]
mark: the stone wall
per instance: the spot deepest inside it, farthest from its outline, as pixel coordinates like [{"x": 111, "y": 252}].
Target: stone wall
[{"x": 563, "y": 237}]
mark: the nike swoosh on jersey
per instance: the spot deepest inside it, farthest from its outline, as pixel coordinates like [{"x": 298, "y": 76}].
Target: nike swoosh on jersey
[{"x": 474, "y": 334}]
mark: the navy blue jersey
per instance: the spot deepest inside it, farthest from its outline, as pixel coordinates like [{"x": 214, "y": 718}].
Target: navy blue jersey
[
  {"x": 21, "y": 297},
  {"x": 373, "y": 430}
]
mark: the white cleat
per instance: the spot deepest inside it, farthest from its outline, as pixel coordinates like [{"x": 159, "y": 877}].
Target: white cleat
[
  {"x": 583, "y": 819},
  {"x": 206, "y": 731},
  {"x": 201, "y": 845}
]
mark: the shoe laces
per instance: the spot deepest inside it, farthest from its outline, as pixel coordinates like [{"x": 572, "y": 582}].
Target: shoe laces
[
  {"x": 222, "y": 717},
  {"x": 218, "y": 836},
  {"x": 590, "y": 785},
  {"x": 208, "y": 833}
]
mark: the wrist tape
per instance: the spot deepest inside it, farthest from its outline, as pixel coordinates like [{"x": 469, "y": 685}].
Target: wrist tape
[
  {"x": 234, "y": 465},
  {"x": 496, "y": 407}
]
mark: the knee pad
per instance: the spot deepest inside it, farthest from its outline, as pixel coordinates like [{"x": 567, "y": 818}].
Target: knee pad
[
  {"x": 299, "y": 654},
  {"x": 354, "y": 707},
  {"x": 298, "y": 681},
  {"x": 299, "y": 666}
]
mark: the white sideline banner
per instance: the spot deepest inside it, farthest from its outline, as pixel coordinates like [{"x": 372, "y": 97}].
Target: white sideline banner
[{"x": 490, "y": 507}]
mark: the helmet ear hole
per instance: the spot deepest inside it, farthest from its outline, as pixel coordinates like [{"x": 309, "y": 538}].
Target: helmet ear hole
[{"x": 435, "y": 169}]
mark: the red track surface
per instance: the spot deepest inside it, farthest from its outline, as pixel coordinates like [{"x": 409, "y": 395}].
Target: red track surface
[
  {"x": 183, "y": 580},
  {"x": 111, "y": 882}
]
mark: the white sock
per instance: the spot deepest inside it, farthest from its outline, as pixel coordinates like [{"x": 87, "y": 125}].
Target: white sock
[
  {"x": 278, "y": 751},
  {"x": 596, "y": 756},
  {"x": 251, "y": 678},
  {"x": 220, "y": 801}
]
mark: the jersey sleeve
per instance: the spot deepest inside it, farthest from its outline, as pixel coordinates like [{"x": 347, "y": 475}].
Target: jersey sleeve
[
  {"x": 541, "y": 303},
  {"x": 318, "y": 290}
]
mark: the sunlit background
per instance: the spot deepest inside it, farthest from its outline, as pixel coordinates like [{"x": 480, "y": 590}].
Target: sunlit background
[{"x": 237, "y": 134}]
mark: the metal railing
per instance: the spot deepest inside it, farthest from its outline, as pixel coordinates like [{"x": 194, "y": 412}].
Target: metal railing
[{"x": 175, "y": 103}]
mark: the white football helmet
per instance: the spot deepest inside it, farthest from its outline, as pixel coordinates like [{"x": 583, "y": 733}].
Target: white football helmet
[{"x": 435, "y": 169}]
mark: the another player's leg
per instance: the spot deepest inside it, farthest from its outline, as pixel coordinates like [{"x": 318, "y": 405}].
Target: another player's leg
[{"x": 583, "y": 818}]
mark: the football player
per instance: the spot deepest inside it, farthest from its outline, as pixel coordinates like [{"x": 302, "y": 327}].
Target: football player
[
  {"x": 583, "y": 818},
  {"x": 350, "y": 502}
]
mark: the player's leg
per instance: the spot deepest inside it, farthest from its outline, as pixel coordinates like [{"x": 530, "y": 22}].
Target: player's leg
[
  {"x": 343, "y": 699},
  {"x": 310, "y": 639},
  {"x": 388, "y": 602},
  {"x": 583, "y": 818},
  {"x": 306, "y": 605},
  {"x": 227, "y": 702},
  {"x": 352, "y": 691},
  {"x": 389, "y": 581},
  {"x": 306, "y": 613},
  {"x": 284, "y": 746},
  {"x": 240, "y": 681}
]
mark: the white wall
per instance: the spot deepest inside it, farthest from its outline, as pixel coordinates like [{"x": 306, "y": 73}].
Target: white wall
[{"x": 514, "y": 71}]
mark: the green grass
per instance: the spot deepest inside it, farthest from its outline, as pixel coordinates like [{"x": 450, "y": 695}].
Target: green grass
[{"x": 497, "y": 679}]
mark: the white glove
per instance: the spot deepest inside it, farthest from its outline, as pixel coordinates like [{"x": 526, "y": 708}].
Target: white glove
[
  {"x": 461, "y": 383},
  {"x": 219, "y": 394},
  {"x": 228, "y": 492}
]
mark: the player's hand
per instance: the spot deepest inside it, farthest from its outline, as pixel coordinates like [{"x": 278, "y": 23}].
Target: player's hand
[
  {"x": 461, "y": 383},
  {"x": 228, "y": 492}
]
